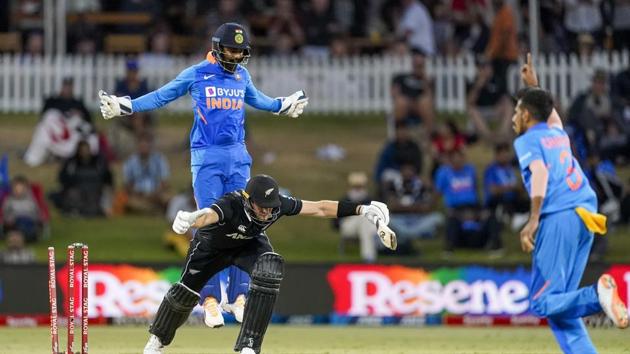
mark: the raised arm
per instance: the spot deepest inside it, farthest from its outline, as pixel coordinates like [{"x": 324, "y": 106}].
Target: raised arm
[{"x": 530, "y": 79}]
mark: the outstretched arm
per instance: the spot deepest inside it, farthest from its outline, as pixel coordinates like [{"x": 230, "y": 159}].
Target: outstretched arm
[
  {"x": 530, "y": 79},
  {"x": 200, "y": 218},
  {"x": 292, "y": 105},
  {"x": 112, "y": 106},
  {"x": 375, "y": 212}
]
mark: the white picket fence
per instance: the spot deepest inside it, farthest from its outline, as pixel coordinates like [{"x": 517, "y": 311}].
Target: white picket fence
[{"x": 359, "y": 84}]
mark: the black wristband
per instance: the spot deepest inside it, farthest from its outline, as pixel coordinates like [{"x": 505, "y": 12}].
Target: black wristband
[{"x": 346, "y": 208}]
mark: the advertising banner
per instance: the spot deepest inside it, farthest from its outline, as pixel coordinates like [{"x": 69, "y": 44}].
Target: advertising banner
[
  {"x": 310, "y": 293},
  {"x": 392, "y": 290},
  {"x": 621, "y": 273}
]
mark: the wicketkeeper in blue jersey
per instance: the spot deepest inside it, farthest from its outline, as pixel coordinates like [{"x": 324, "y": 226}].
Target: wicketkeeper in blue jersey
[
  {"x": 563, "y": 220},
  {"x": 220, "y": 86}
]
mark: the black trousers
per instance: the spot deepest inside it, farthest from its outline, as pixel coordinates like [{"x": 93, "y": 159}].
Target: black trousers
[{"x": 204, "y": 261}]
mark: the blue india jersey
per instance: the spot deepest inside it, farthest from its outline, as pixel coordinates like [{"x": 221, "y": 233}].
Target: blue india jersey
[
  {"x": 218, "y": 99},
  {"x": 568, "y": 186}
]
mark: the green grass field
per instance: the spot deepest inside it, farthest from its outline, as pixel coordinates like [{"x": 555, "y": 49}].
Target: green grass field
[{"x": 324, "y": 340}]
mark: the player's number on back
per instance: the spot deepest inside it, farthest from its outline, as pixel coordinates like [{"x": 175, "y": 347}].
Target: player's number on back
[{"x": 573, "y": 179}]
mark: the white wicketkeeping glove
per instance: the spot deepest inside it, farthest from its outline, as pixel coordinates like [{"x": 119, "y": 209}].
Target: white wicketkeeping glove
[
  {"x": 293, "y": 105},
  {"x": 376, "y": 210},
  {"x": 113, "y": 106},
  {"x": 184, "y": 220},
  {"x": 378, "y": 214}
]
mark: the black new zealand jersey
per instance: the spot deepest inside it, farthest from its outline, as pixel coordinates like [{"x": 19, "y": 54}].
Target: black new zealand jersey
[{"x": 236, "y": 226}]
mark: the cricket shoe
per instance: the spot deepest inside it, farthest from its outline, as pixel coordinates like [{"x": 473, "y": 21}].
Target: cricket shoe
[
  {"x": 237, "y": 308},
  {"x": 610, "y": 301},
  {"x": 212, "y": 313},
  {"x": 247, "y": 350},
  {"x": 154, "y": 346}
]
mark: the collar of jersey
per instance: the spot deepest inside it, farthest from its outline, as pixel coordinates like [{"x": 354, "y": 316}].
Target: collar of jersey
[{"x": 540, "y": 126}]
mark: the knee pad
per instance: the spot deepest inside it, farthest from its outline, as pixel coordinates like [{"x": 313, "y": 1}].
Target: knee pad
[
  {"x": 267, "y": 273},
  {"x": 173, "y": 312}
]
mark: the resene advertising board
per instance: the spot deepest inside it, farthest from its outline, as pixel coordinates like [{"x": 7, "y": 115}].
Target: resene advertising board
[
  {"x": 351, "y": 290},
  {"x": 393, "y": 290}
]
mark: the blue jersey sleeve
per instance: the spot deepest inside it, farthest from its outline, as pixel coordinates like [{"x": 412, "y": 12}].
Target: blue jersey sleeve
[
  {"x": 259, "y": 100},
  {"x": 527, "y": 150},
  {"x": 165, "y": 94}
]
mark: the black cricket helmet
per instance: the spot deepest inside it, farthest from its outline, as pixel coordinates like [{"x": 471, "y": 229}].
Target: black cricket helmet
[
  {"x": 230, "y": 35},
  {"x": 263, "y": 191}
]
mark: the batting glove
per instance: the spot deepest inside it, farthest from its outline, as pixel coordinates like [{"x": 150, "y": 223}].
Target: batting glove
[
  {"x": 185, "y": 220},
  {"x": 293, "y": 105},
  {"x": 113, "y": 106},
  {"x": 376, "y": 211}
]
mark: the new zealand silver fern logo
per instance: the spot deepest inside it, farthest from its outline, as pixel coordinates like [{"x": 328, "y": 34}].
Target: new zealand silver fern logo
[{"x": 268, "y": 191}]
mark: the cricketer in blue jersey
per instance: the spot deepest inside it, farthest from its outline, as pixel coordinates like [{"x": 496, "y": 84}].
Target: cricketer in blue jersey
[
  {"x": 562, "y": 223},
  {"x": 220, "y": 86}
]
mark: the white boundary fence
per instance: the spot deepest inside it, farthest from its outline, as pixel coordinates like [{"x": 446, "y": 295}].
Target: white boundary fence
[{"x": 348, "y": 85}]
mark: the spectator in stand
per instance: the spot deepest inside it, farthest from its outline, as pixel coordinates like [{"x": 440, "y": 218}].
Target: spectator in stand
[
  {"x": 64, "y": 122},
  {"x": 478, "y": 34},
  {"x": 621, "y": 96},
  {"x": 352, "y": 227},
  {"x": 444, "y": 140},
  {"x": 416, "y": 26},
  {"x": 502, "y": 50},
  {"x": 225, "y": 11},
  {"x": 123, "y": 132},
  {"x": 145, "y": 176},
  {"x": 582, "y": 17},
  {"x": 5, "y": 182},
  {"x": 402, "y": 150},
  {"x": 625, "y": 204},
  {"x": 20, "y": 210},
  {"x": 590, "y": 112},
  {"x": 502, "y": 190},
  {"x": 621, "y": 24},
  {"x": 16, "y": 252},
  {"x": 553, "y": 36},
  {"x": 66, "y": 102},
  {"x": 411, "y": 203},
  {"x": 285, "y": 30},
  {"x": 467, "y": 225},
  {"x": 83, "y": 36},
  {"x": 412, "y": 95},
  {"x": 487, "y": 101},
  {"x": 86, "y": 184},
  {"x": 339, "y": 47},
  {"x": 609, "y": 190},
  {"x": 319, "y": 27},
  {"x": 34, "y": 46}
]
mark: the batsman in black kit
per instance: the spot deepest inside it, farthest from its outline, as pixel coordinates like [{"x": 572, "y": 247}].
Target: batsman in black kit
[{"x": 233, "y": 232}]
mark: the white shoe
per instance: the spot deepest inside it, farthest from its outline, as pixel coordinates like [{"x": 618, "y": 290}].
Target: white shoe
[
  {"x": 154, "y": 346},
  {"x": 237, "y": 308},
  {"x": 247, "y": 351},
  {"x": 212, "y": 313},
  {"x": 610, "y": 301}
]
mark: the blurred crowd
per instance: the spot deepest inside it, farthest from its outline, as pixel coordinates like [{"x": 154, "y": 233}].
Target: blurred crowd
[
  {"x": 496, "y": 28},
  {"x": 425, "y": 175}
]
